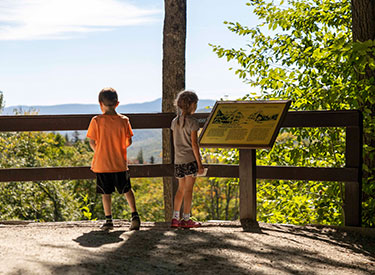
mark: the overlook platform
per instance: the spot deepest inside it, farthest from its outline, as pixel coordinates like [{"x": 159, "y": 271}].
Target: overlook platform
[{"x": 215, "y": 248}]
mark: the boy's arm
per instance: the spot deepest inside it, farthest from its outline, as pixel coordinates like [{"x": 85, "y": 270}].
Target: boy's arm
[
  {"x": 197, "y": 154},
  {"x": 129, "y": 133},
  {"x": 129, "y": 141},
  {"x": 91, "y": 133},
  {"x": 92, "y": 144}
]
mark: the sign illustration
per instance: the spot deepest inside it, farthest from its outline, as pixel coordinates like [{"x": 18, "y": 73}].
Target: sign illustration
[{"x": 244, "y": 124}]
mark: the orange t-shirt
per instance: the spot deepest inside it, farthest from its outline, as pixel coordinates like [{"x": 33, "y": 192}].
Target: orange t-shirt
[{"x": 111, "y": 134}]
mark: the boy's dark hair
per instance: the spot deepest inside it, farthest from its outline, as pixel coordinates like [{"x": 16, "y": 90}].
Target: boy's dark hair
[{"x": 108, "y": 96}]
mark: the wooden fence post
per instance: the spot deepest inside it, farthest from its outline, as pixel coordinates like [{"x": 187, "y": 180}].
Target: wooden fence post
[
  {"x": 354, "y": 159},
  {"x": 247, "y": 176}
]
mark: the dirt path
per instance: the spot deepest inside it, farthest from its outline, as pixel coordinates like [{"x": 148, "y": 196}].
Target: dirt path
[{"x": 216, "y": 248}]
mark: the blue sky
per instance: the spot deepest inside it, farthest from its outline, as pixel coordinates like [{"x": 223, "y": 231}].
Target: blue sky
[{"x": 65, "y": 51}]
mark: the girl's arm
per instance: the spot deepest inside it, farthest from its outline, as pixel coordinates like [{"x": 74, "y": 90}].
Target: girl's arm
[
  {"x": 197, "y": 154},
  {"x": 92, "y": 144}
]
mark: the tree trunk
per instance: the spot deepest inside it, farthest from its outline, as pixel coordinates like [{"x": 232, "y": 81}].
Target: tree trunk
[
  {"x": 174, "y": 41},
  {"x": 363, "y": 25},
  {"x": 363, "y": 29},
  {"x": 363, "y": 20}
]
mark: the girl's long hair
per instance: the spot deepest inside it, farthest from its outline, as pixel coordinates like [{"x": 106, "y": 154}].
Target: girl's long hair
[{"x": 183, "y": 103}]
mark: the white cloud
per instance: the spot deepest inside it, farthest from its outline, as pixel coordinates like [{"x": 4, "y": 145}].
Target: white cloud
[{"x": 61, "y": 19}]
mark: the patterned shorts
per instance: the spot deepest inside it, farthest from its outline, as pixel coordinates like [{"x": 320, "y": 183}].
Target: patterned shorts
[{"x": 186, "y": 169}]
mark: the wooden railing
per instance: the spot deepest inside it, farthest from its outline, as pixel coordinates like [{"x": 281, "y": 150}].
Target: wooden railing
[{"x": 351, "y": 174}]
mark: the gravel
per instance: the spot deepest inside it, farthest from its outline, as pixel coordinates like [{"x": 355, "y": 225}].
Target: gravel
[{"x": 216, "y": 248}]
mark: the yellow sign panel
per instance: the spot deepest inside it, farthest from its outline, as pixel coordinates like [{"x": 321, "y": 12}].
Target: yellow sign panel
[{"x": 250, "y": 124}]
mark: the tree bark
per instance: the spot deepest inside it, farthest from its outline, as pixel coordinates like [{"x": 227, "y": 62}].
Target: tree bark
[
  {"x": 363, "y": 29},
  {"x": 363, "y": 20},
  {"x": 174, "y": 43},
  {"x": 363, "y": 25}
]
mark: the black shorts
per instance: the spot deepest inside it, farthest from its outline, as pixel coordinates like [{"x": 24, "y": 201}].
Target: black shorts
[
  {"x": 186, "y": 169},
  {"x": 106, "y": 182}
]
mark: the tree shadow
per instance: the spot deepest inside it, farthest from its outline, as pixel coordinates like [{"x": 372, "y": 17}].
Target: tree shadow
[
  {"x": 158, "y": 249},
  {"x": 354, "y": 241}
]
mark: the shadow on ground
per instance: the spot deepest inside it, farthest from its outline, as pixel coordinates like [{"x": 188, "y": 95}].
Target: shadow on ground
[
  {"x": 271, "y": 249},
  {"x": 97, "y": 238}
]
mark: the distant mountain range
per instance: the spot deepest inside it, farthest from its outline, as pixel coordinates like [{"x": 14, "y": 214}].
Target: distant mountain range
[
  {"x": 147, "y": 140},
  {"x": 64, "y": 109}
]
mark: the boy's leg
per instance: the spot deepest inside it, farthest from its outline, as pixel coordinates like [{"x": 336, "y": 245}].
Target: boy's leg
[
  {"x": 131, "y": 200},
  {"x": 107, "y": 204},
  {"x": 135, "y": 221},
  {"x": 104, "y": 186},
  {"x": 123, "y": 185}
]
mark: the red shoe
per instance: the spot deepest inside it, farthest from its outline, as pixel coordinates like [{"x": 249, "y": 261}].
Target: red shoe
[
  {"x": 190, "y": 224},
  {"x": 175, "y": 223}
]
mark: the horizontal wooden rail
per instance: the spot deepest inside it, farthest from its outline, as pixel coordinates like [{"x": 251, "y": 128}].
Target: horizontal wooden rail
[
  {"x": 77, "y": 122},
  {"x": 166, "y": 170},
  {"x": 83, "y": 172},
  {"x": 163, "y": 120},
  {"x": 347, "y": 118}
]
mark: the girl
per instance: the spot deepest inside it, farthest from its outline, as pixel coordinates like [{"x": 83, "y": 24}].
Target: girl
[{"x": 187, "y": 157}]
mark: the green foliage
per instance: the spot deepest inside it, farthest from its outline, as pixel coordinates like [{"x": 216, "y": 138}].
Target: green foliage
[
  {"x": 213, "y": 198},
  {"x": 64, "y": 200},
  {"x": 44, "y": 201},
  {"x": 307, "y": 55},
  {"x": 216, "y": 199},
  {"x": 303, "y": 202},
  {"x": 295, "y": 202},
  {"x": 85, "y": 208},
  {"x": 149, "y": 196}
]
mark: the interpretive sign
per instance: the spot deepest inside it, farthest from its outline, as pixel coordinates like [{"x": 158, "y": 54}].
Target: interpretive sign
[{"x": 244, "y": 124}]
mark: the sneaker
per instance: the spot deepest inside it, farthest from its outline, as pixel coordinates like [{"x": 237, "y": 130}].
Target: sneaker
[
  {"x": 190, "y": 224},
  {"x": 135, "y": 223},
  {"x": 107, "y": 226},
  {"x": 175, "y": 223}
]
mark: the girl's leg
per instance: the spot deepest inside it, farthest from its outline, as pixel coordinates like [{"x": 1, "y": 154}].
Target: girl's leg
[
  {"x": 188, "y": 195},
  {"x": 177, "y": 203},
  {"x": 179, "y": 194}
]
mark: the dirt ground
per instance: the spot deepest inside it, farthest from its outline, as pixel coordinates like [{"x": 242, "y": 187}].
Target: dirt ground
[{"x": 215, "y": 248}]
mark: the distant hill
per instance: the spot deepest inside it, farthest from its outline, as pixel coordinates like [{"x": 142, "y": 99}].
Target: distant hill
[
  {"x": 147, "y": 140},
  {"x": 65, "y": 109}
]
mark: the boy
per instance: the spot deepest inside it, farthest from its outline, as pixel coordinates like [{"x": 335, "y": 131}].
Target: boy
[{"x": 110, "y": 134}]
